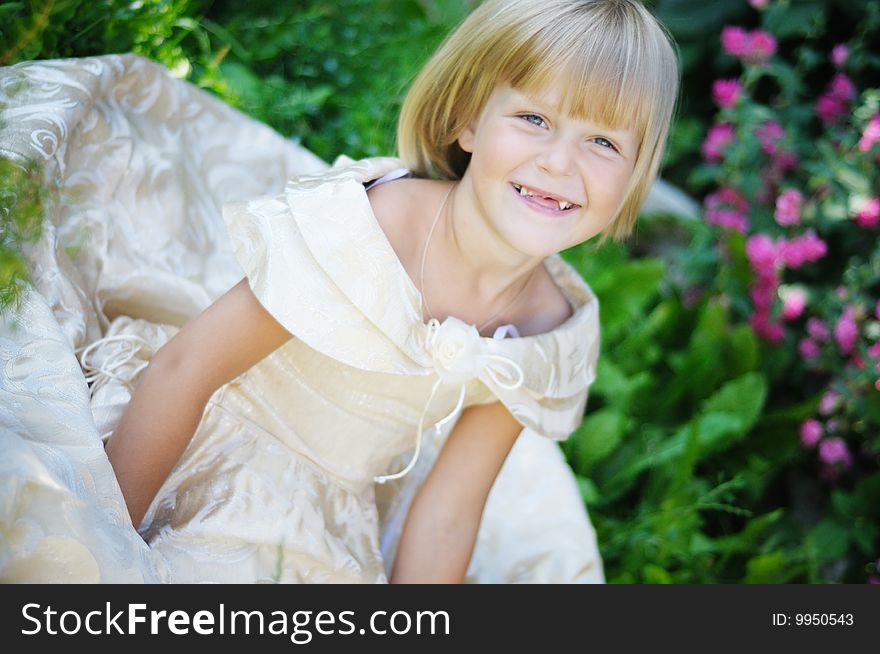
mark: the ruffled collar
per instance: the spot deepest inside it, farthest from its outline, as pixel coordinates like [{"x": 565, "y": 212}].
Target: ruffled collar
[{"x": 332, "y": 211}]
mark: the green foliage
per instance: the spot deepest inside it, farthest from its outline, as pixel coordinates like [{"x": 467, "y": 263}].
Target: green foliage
[
  {"x": 52, "y": 29},
  {"x": 332, "y": 75},
  {"x": 677, "y": 390}
]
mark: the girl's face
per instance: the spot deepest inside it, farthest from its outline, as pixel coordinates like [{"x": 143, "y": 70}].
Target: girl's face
[{"x": 546, "y": 181}]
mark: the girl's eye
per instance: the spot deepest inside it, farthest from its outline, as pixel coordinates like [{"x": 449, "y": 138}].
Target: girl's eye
[
  {"x": 605, "y": 143},
  {"x": 534, "y": 119}
]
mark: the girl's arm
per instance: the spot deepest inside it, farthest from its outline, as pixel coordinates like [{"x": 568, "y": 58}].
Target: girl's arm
[
  {"x": 216, "y": 346},
  {"x": 441, "y": 527}
]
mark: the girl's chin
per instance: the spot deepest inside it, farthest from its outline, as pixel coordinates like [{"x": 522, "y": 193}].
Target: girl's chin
[{"x": 534, "y": 244}]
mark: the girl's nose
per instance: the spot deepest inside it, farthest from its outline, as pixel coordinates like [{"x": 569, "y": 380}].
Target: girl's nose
[{"x": 556, "y": 158}]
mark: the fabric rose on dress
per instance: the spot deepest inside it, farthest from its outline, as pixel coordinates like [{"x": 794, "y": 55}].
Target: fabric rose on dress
[{"x": 457, "y": 350}]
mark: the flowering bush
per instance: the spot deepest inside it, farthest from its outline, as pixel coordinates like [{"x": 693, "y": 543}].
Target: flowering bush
[{"x": 794, "y": 207}]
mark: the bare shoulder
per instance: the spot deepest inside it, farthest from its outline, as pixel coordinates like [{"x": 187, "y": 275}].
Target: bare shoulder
[{"x": 399, "y": 207}]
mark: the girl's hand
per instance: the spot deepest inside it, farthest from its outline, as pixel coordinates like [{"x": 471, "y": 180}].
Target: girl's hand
[{"x": 441, "y": 527}]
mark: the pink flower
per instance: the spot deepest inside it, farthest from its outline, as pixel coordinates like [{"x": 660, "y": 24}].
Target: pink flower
[
  {"x": 839, "y": 54},
  {"x": 735, "y": 41},
  {"x": 785, "y": 160},
  {"x": 772, "y": 332},
  {"x": 762, "y": 252},
  {"x": 788, "y": 207},
  {"x": 811, "y": 432},
  {"x": 751, "y": 47},
  {"x": 769, "y": 134},
  {"x": 818, "y": 330},
  {"x": 762, "y": 299},
  {"x": 874, "y": 351},
  {"x": 793, "y": 304},
  {"x": 804, "y": 249},
  {"x": 871, "y": 135},
  {"x": 808, "y": 349},
  {"x": 727, "y": 208},
  {"x": 729, "y": 220},
  {"x": 726, "y": 92},
  {"x": 830, "y": 108},
  {"x": 834, "y": 450},
  {"x": 842, "y": 87},
  {"x": 846, "y": 331},
  {"x": 869, "y": 216},
  {"x": 758, "y": 4},
  {"x": 717, "y": 140},
  {"x": 763, "y": 46},
  {"x": 828, "y": 402},
  {"x": 834, "y": 103}
]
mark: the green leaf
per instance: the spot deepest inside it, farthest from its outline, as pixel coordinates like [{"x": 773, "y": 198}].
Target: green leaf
[
  {"x": 766, "y": 569},
  {"x": 654, "y": 574},
  {"x": 787, "y": 19},
  {"x": 853, "y": 180},
  {"x": 724, "y": 418},
  {"x": 10, "y": 8},
  {"x": 589, "y": 490},
  {"x": 616, "y": 387},
  {"x": 630, "y": 287},
  {"x": 699, "y": 369},
  {"x": 597, "y": 437},
  {"x": 743, "y": 397},
  {"x": 827, "y": 541},
  {"x": 748, "y": 539},
  {"x": 741, "y": 353}
]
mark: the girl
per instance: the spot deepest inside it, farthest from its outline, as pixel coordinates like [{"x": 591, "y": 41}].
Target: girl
[{"x": 386, "y": 295}]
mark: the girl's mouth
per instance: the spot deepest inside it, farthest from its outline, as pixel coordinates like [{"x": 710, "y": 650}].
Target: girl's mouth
[{"x": 546, "y": 204}]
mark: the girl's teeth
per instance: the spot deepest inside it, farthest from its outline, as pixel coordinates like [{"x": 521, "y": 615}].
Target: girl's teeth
[{"x": 562, "y": 204}]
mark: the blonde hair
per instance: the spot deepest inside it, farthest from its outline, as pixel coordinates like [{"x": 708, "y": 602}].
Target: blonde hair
[{"x": 620, "y": 63}]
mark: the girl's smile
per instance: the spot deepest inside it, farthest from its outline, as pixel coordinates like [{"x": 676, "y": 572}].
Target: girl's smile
[{"x": 543, "y": 201}]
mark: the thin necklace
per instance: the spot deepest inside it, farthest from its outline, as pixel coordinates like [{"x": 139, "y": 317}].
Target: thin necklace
[{"x": 422, "y": 270}]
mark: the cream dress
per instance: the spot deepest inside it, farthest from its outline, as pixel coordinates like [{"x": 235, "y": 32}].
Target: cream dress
[{"x": 285, "y": 478}]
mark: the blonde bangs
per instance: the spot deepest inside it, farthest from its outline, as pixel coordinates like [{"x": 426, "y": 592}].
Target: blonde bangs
[{"x": 608, "y": 66}]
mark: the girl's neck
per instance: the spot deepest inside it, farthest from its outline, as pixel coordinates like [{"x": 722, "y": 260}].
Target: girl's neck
[{"x": 476, "y": 256}]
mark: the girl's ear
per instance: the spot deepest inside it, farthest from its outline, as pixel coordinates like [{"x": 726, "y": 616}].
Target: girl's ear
[{"x": 466, "y": 139}]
